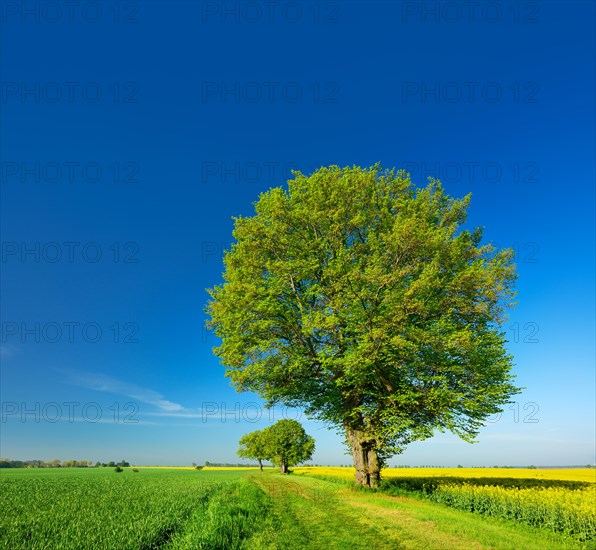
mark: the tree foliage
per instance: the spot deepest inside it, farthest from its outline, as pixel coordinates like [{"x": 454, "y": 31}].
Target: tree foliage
[
  {"x": 285, "y": 444},
  {"x": 253, "y": 445},
  {"x": 288, "y": 444},
  {"x": 362, "y": 299}
]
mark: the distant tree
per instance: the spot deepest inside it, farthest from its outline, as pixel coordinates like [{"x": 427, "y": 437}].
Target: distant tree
[
  {"x": 363, "y": 299},
  {"x": 111, "y": 464},
  {"x": 254, "y": 445},
  {"x": 288, "y": 444},
  {"x": 194, "y": 464}
]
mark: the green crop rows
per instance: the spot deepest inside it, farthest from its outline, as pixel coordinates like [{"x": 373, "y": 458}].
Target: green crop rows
[{"x": 149, "y": 509}]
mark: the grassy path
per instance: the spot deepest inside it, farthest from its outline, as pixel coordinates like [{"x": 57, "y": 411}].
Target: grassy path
[{"x": 312, "y": 514}]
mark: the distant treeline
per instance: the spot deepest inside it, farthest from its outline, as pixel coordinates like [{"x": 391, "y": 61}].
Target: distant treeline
[
  {"x": 8, "y": 463},
  {"x": 228, "y": 465}
]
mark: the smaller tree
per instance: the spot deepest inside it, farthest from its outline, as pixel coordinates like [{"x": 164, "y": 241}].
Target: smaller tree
[
  {"x": 288, "y": 444},
  {"x": 254, "y": 445}
]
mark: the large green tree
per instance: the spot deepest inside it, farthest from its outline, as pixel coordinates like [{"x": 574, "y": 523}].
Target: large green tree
[
  {"x": 362, "y": 299},
  {"x": 253, "y": 445},
  {"x": 288, "y": 444}
]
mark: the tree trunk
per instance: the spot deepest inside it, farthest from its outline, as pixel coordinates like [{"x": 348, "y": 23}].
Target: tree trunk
[
  {"x": 283, "y": 467},
  {"x": 260, "y": 464},
  {"x": 366, "y": 460}
]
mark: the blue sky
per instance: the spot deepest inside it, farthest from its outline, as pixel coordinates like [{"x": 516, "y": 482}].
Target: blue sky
[{"x": 131, "y": 135}]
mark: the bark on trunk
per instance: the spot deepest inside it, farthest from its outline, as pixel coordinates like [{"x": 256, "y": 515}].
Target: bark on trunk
[
  {"x": 366, "y": 459},
  {"x": 283, "y": 467},
  {"x": 260, "y": 464}
]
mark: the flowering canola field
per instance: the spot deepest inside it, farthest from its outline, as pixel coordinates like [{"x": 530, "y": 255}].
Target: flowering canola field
[
  {"x": 570, "y": 474},
  {"x": 562, "y": 501}
]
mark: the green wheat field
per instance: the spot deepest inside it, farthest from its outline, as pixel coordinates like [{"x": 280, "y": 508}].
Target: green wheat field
[{"x": 318, "y": 508}]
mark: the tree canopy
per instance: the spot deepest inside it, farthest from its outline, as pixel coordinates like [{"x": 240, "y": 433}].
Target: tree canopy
[
  {"x": 285, "y": 443},
  {"x": 363, "y": 299},
  {"x": 253, "y": 445},
  {"x": 288, "y": 444}
]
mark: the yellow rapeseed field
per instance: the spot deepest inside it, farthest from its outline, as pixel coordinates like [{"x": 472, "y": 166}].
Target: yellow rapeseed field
[
  {"x": 569, "y": 474},
  {"x": 560, "y": 500}
]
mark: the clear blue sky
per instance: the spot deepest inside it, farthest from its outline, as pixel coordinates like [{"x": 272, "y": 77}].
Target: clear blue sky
[{"x": 130, "y": 137}]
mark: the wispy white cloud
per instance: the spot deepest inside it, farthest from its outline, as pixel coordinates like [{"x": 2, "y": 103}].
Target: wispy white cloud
[
  {"x": 102, "y": 383},
  {"x": 6, "y": 350},
  {"x": 132, "y": 422},
  {"x": 203, "y": 414},
  {"x": 176, "y": 414}
]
